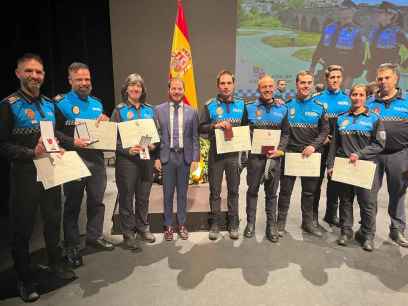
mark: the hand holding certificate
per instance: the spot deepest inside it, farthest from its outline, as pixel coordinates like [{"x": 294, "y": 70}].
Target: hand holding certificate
[
  {"x": 104, "y": 132},
  {"x": 264, "y": 138},
  {"x": 360, "y": 173},
  {"x": 296, "y": 164},
  {"x": 241, "y": 141},
  {"x": 131, "y": 132},
  {"x": 54, "y": 169}
]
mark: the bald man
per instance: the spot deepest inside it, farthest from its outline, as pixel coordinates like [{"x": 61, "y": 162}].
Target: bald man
[{"x": 266, "y": 113}]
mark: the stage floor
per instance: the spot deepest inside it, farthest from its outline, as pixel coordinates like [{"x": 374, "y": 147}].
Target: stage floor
[{"x": 299, "y": 270}]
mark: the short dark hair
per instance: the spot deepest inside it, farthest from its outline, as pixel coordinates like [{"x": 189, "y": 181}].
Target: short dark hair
[
  {"x": 303, "y": 73},
  {"x": 223, "y": 72},
  {"x": 175, "y": 79},
  {"x": 30, "y": 56},
  {"x": 280, "y": 80},
  {"x": 75, "y": 66}
]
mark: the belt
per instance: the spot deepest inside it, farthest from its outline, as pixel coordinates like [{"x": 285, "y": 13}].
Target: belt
[{"x": 176, "y": 150}]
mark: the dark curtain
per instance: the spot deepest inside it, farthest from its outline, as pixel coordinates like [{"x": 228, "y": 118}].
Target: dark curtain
[{"x": 61, "y": 32}]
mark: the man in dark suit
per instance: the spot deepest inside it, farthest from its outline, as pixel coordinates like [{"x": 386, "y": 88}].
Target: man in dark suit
[{"x": 179, "y": 147}]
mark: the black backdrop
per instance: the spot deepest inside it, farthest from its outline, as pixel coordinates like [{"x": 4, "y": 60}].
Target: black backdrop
[{"x": 61, "y": 32}]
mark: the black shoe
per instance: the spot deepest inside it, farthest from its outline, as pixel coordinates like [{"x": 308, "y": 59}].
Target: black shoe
[
  {"x": 368, "y": 245},
  {"x": 233, "y": 233},
  {"x": 359, "y": 237},
  {"x": 332, "y": 221},
  {"x": 345, "y": 238},
  {"x": 249, "y": 231},
  {"x": 313, "y": 230},
  {"x": 214, "y": 232},
  {"x": 272, "y": 233},
  {"x": 62, "y": 272},
  {"x": 131, "y": 243},
  {"x": 28, "y": 292},
  {"x": 147, "y": 236},
  {"x": 281, "y": 229},
  {"x": 399, "y": 239},
  {"x": 101, "y": 244},
  {"x": 73, "y": 257}
]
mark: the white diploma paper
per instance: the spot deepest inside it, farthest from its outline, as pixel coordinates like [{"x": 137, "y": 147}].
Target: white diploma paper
[
  {"x": 241, "y": 141},
  {"x": 132, "y": 131},
  {"x": 263, "y": 137},
  {"x": 360, "y": 174},
  {"x": 105, "y": 132},
  {"x": 297, "y": 165},
  {"x": 54, "y": 170}
]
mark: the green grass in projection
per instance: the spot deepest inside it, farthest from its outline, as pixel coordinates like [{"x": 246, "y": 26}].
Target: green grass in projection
[
  {"x": 304, "y": 54},
  {"x": 301, "y": 39}
]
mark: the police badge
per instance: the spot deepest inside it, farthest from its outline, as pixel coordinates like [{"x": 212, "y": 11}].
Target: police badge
[
  {"x": 258, "y": 113},
  {"x": 292, "y": 112},
  {"x": 219, "y": 111},
  {"x": 129, "y": 115},
  {"x": 30, "y": 114},
  {"x": 75, "y": 110}
]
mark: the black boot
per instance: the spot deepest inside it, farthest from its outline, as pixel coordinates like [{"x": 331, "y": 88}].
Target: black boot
[
  {"x": 214, "y": 232},
  {"x": 313, "y": 230},
  {"x": 28, "y": 291},
  {"x": 249, "y": 231},
  {"x": 272, "y": 233},
  {"x": 345, "y": 237}
]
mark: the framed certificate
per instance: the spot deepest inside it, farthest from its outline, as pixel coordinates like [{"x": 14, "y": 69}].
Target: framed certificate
[
  {"x": 48, "y": 137},
  {"x": 82, "y": 132}
]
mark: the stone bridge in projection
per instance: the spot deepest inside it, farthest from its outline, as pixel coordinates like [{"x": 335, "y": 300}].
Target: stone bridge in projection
[{"x": 315, "y": 19}]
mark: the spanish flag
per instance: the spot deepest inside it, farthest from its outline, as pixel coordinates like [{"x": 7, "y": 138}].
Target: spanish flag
[{"x": 181, "y": 64}]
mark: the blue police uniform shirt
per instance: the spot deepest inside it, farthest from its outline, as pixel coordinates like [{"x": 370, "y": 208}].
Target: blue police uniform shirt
[
  {"x": 129, "y": 112},
  {"x": 348, "y": 123},
  {"x": 386, "y": 39},
  {"x": 394, "y": 114},
  {"x": 304, "y": 113},
  {"x": 27, "y": 114},
  {"x": 265, "y": 116},
  {"x": 232, "y": 111},
  {"x": 346, "y": 38},
  {"x": 334, "y": 102},
  {"x": 73, "y": 107}
]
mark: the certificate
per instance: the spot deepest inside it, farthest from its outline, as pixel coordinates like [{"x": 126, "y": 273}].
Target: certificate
[
  {"x": 54, "y": 170},
  {"x": 262, "y": 137},
  {"x": 298, "y": 165},
  {"x": 48, "y": 137},
  {"x": 360, "y": 174},
  {"x": 131, "y": 132},
  {"x": 241, "y": 141},
  {"x": 105, "y": 132}
]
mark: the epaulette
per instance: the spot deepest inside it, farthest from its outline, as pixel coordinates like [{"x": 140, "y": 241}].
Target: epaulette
[
  {"x": 11, "y": 98},
  {"x": 93, "y": 97},
  {"x": 59, "y": 97},
  {"x": 317, "y": 94},
  {"x": 120, "y": 105},
  {"x": 46, "y": 98},
  {"x": 209, "y": 101},
  {"x": 148, "y": 105},
  {"x": 251, "y": 102},
  {"x": 319, "y": 103}
]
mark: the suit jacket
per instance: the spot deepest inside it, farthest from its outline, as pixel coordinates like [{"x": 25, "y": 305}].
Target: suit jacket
[{"x": 191, "y": 142}]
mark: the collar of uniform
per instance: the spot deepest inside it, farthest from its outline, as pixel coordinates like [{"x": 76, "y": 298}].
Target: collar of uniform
[
  {"x": 28, "y": 98},
  {"x": 333, "y": 92},
  {"x": 130, "y": 105},
  {"x": 398, "y": 95},
  {"x": 76, "y": 96},
  {"x": 181, "y": 104},
  {"x": 219, "y": 100},
  {"x": 266, "y": 104},
  {"x": 365, "y": 113},
  {"x": 309, "y": 97}
]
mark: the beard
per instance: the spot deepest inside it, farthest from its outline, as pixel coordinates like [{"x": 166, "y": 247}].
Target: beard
[
  {"x": 32, "y": 86},
  {"x": 84, "y": 91}
]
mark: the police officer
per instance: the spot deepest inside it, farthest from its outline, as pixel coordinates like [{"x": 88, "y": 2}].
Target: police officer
[
  {"x": 265, "y": 113},
  {"x": 20, "y": 142},
  {"x": 78, "y": 104},
  {"x": 134, "y": 176},
  {"x": 392, "y": 107},
  {"x": 342, "y": 44},
  {"x": 359, "y": 134},
  {"x": 281, "y": 92},
  {"x": 309, "y": 127},
  {"x": 223, "y": 112},
  {"x": 385, "y": 39},
  {"x": 335, "y": 101}
]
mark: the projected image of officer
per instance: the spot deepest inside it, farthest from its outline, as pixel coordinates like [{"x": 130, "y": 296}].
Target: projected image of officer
[
  {"x": 341, "y": 44},
  {"x": 385, "y": 39}
]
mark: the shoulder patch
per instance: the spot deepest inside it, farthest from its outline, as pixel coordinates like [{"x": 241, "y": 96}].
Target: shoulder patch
[
  {"x": 148, "y": 105},
  {"x": 250, "y": 102},
  {"x": 316, "y": 94},
  {"x": 58, "y": 98},
  {"x": 12, "y": 98}
]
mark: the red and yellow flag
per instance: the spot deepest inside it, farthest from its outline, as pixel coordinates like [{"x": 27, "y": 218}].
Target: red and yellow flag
[{"x": 181, "y": 62}]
